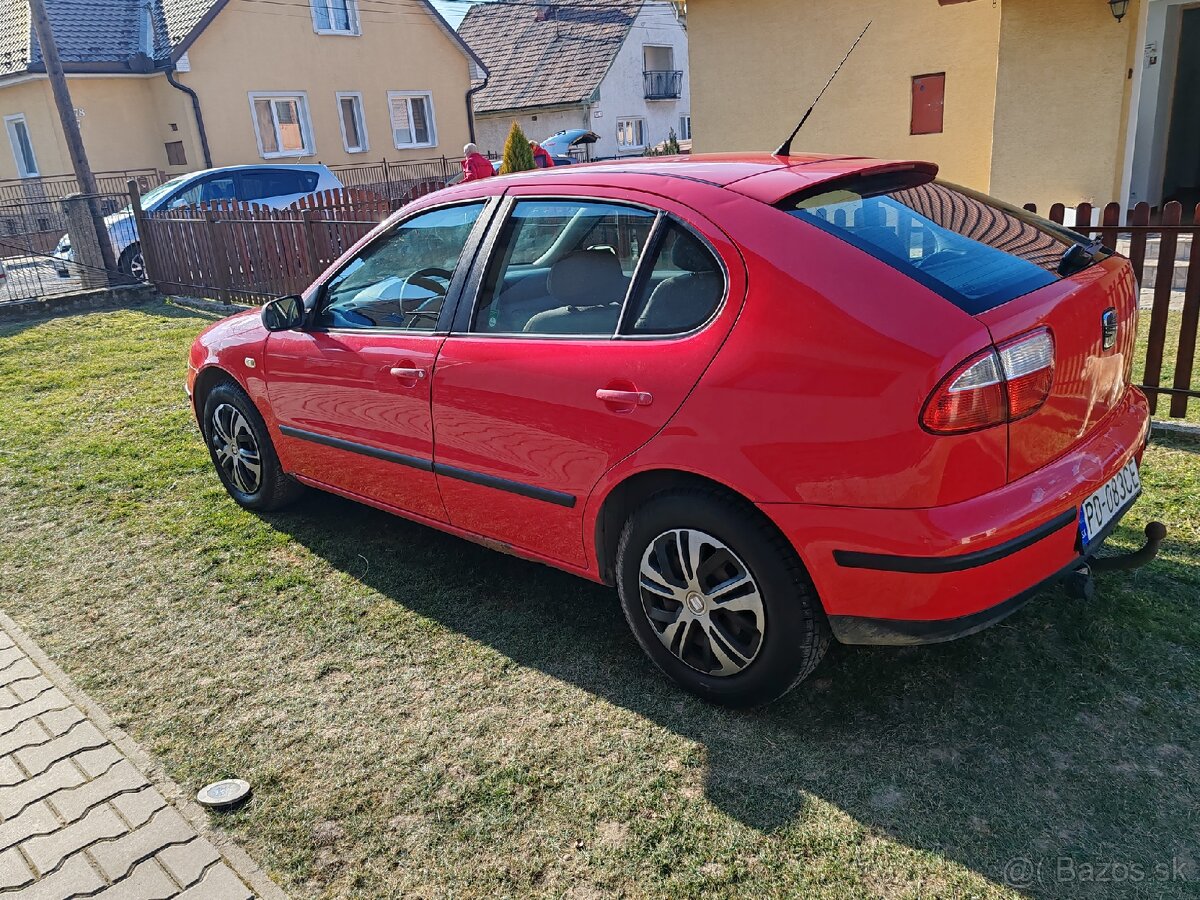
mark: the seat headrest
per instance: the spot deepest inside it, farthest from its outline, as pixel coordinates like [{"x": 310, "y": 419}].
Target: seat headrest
[
  {"x": 690, "y": 255},
  {"x": 588, "y": 278}
]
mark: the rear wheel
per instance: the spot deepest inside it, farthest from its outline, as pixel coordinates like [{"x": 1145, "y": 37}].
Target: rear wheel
[
  {"x": 718, "y": 599},
  {"x": 131, "y": 262},
  {"x": 242, "y": 452}
]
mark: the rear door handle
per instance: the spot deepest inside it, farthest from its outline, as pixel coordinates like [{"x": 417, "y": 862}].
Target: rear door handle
[
  {"x": 408, "y": 373},
  {"x": 625, "y": 398}
]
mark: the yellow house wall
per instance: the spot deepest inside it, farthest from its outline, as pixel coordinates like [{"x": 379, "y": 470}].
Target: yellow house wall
[
  {"x": 756, "y": 66},
  {"x": 1062, "y": 102},
  {"x": 253, "y": 47},
  {"x": 126, "y": 124}
]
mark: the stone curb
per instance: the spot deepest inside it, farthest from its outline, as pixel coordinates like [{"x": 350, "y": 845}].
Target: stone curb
[
  {"x": 78, "y": 302},
  {"x": 1183, "y": 431},
  {"x": 235, "y": 857}
]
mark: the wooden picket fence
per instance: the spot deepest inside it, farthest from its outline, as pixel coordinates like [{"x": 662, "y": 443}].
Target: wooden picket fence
[
  {"x": 1166, "y": 259},
  {"x": 248, "y": 253}
]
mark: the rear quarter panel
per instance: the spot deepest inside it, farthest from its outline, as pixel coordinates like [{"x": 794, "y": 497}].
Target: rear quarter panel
[{"x": 815, "y": 396}]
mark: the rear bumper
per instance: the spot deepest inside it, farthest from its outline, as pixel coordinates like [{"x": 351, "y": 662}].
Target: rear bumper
[{"x": 888, "y": 576}]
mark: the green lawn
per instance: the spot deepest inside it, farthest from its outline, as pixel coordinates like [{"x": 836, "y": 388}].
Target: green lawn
[{"x": 424, "y": 717}]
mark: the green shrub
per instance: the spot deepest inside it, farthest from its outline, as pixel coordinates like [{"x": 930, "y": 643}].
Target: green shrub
[{"x": 518, "y": 156}]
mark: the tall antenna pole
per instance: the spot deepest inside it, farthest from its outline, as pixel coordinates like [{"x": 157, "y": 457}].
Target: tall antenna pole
[
  {"x": 70, "y": 126},
  {"x": 785, "y": 149}
]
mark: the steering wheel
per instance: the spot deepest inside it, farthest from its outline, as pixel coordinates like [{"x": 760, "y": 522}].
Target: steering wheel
[{"x": 424, "y": 279}]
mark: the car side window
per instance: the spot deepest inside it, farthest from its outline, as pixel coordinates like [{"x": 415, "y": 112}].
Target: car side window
[
  {"x": 562, "y": 267},
  {"x": 207, "y": 190},
  {"x": 259, "y": 184},
  {"x": 402, "y": 279},
  {"x": 682, "y": 288}
]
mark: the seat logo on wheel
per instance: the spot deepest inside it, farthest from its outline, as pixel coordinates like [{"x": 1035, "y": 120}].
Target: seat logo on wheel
[{"x": 702, "y": 602}]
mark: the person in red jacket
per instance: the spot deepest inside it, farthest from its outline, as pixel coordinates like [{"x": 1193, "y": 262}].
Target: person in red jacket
[
  {"x": 475, "y": 165},
  {"x": 541, "y": 156}
]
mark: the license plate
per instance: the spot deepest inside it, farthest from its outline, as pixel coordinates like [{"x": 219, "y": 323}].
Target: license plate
[{"x": 1103, "y": 506}]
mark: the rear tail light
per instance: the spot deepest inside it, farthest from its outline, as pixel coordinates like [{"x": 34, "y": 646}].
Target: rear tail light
[{"x": 993, "y": 387}]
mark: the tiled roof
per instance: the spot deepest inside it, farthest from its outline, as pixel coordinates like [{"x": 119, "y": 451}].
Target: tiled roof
[
  {"x": 88, "y": 32},
  {"x": 542, "y": 54}
]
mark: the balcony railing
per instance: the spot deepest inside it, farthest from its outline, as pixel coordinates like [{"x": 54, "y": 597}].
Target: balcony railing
[{"x": 663, "y": 85}]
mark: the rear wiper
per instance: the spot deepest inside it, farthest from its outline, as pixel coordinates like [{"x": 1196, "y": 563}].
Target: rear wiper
[{"x": 1079, "y": 256}]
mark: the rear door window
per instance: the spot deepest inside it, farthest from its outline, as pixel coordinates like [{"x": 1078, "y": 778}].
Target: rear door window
[
  {"x": 975, "y": 251},
  {"x": 262, "y": 184}
]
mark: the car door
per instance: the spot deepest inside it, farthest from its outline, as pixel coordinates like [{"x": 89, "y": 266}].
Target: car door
[
  {"x": 562, "y": 366},
  {"x": 351, "y": 392}
]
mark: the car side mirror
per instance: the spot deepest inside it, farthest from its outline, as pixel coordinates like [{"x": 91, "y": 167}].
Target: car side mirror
[{"x": 283, "y": 314}]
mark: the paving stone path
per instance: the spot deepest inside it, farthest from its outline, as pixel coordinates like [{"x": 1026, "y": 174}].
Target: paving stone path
[{"x": 78, "y": 815}]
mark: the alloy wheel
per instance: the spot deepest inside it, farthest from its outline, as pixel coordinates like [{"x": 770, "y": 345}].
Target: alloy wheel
[
  {"x": 702, "y": 602},
  {"x": 236, "y": 449},
  {"x": 137, "y": 267}
]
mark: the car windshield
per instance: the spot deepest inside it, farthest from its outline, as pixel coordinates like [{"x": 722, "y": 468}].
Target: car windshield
[
  {"x": 976, "y": 252},
  {"x": 154, "y": 195}
]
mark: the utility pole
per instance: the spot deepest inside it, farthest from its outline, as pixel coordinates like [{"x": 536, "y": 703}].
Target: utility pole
[{"x": 70, "y": 126}]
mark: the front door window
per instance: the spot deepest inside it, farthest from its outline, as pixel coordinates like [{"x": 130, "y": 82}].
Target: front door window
[{"x": 401, "y": 281}]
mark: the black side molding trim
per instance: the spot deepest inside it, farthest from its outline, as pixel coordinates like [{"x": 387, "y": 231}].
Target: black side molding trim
[
  {"x": 413, "y": 462},
  {"x": 503, "y": 484},
  {"x": 936, "y": 564},
  {"x": 425, "y": 465}
]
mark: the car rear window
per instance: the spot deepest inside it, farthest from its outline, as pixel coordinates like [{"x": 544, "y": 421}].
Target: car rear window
[{"x": 975, "y": 251}]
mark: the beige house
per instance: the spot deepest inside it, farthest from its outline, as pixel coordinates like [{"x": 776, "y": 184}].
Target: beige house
[
  {"x": 1033, "y": 101},
  {"x": 180, "y": 85}
]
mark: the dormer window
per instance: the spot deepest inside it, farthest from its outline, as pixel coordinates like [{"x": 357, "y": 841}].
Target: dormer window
[{"x": 335, "y": 16}]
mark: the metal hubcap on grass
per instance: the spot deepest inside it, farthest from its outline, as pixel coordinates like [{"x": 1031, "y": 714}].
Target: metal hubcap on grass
[
  {"x": 702, "y": 602},
  {"x": 236, "y": 448}
]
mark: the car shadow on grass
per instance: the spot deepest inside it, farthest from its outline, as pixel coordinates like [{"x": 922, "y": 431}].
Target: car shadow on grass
[{"x": 1065, "y": 732}]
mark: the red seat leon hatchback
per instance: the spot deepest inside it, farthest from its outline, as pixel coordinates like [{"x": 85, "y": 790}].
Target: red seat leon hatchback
[{"x": 773, "y": 400}]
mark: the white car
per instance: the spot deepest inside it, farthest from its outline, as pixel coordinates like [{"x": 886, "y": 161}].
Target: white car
[{"x": 274, "y": 186}]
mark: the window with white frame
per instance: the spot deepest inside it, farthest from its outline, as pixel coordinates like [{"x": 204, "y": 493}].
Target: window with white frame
[
  {"x": 412, "y": 119},
  {"x": 22, "y": 146},
  {"x": 282, "y": 124},
  {"x": 631, "y": 134},
  {"x": 354, "y": 122},
  {"x": 685, "y": 128},
  {"x": 335, "y": 16}
]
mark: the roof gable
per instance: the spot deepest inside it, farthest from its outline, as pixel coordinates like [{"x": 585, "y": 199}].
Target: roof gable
[
  {"x": 542, "y": 54},
  {"x": 110, "y": 35}
]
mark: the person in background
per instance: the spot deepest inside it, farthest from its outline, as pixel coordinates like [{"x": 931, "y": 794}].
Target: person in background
[
  {"x": 475, "y": 165},
  {"x": 541, "y": 156}
]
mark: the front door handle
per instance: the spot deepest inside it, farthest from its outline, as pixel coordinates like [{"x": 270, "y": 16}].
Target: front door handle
[
  {"x": 625, "y": 398},
  {"x": 399, "y": 372}
]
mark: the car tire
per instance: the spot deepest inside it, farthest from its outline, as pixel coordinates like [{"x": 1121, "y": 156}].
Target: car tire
[
  {"x": 238, "y": 441},
  {"x": 131, "y": 263},
  {"x": 741, "y": 657}
]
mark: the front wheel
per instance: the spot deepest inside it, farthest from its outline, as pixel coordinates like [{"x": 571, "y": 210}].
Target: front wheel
[
  {"x": 242, "y": 452},
  {"x": 718, "y": 599}
]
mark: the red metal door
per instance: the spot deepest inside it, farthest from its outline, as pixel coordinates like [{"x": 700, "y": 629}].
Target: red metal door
[{"x": 527, "y": 424}]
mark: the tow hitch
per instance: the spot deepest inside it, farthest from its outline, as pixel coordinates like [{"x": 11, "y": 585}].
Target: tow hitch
[{"x": 1080, "y": 584}]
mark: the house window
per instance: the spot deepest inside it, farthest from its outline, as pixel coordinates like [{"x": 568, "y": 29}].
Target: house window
[
  {"x": 928, "y": 103},
  {"x": 22, "y": 146},
  {"x": 335, "y": 16},
  {"x": 282, "y": 125},
  {"x": 176, "y": 155},
  {"x": 412, "y": 119},
  {"x": 685, "y": 128},
  {"x": 354, "y": 123},
  {"x": 631, "y": 134}
]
